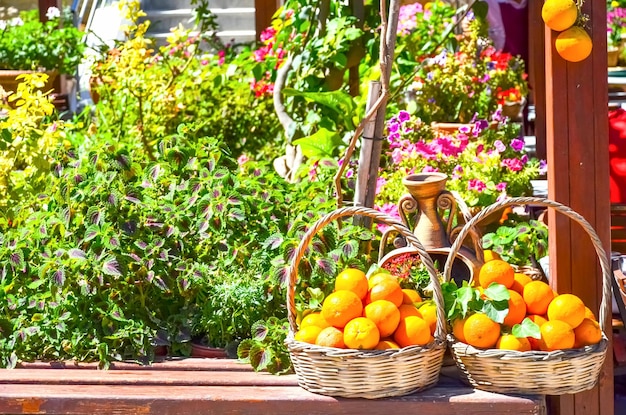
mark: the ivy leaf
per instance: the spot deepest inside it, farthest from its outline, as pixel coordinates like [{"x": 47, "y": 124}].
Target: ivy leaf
[
  {"x": 527, "y": 328},
  {"x": 496, "y": 310},
  {"x": 497, "y": 292}
]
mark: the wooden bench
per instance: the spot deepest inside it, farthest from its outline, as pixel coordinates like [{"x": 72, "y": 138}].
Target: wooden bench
[{"x": 222, "y": 386}]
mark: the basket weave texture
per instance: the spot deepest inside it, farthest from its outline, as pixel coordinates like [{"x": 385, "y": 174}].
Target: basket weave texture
[
  {"x": 367, "y": 374},
  {"x": 551, "y": 373}
]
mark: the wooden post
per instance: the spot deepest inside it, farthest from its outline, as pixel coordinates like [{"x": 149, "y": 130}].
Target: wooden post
[
  {"x": 264, "y": 10},
  {"x": 578, "y": 176},
  {"x": 45, "y": 4},
  {"x": 537, "y": 74}
]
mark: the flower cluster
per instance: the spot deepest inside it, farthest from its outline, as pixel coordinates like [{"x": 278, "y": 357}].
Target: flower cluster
[
  {"x": 616, "y": 21},
  {"x": 26, "y": 43},
  {"x": 485, "y": 161},
  {"x": 456, "y": 85}
]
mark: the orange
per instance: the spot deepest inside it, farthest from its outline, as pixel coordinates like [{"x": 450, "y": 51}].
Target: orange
[
  {"x": 574, "y": 44},
  {"x": 385, "y": 344},
  {"x": 556, "y": 335},
  {"x": 538, "y": 320},
  {"x": 340, "y": 307},
  {"x": 587, "y": 333},
  {"x": 489, "y": 255},
  {"x": 314, "y": 319},
  {"x": 517, "y": 309},
  {"x": 568, "y": 308},
  {"x": 361, "y": 333},
  {"x": 520, "y": 280},
  {"x": 510, "y": 342},
  {"x": 537, "y": 296},
  {"x": 429, "y": 314},
  {"x": 590, "y": 314},
  {"x": 330, "y": 337},
  {"x": 354, "y": 280},
  {"x": 384, "y": 314},
  {"x": 457, "y": 329},
  {"x": 411, "y": 331},
  {"x": 385, "y": 290},
  {"x": 408, "y": 310},
  {"x": 308, "y": 334},
  {"x": 497, "y": 271},
  {"x": 559, "y": 15},
  {"x": 410, "y": 296},
  {"x": 481, "y": 331},
  {"x": 381, "y": 276}
]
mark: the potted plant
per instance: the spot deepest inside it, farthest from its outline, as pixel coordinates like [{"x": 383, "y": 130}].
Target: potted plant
[
  {"x": 28, "y": 44},
  {"x": 616, "y": 20}
]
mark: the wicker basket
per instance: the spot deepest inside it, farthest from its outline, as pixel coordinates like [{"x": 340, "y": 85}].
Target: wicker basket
[
  {"x": 365, "y": 373},
  {"x": 535, "y": 372}
]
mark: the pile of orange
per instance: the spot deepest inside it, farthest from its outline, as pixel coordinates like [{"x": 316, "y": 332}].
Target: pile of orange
[
  {"x": 573, "y": 43},
  {"x": 564, "y": 320},
  {"x": 374, "y": 313}
]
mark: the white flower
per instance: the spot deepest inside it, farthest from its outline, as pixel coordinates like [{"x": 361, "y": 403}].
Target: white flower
[
  {"x": 16, "y": 21},
  {"x": 3, "y": 24},
  {"x": 53, "y": 13}
]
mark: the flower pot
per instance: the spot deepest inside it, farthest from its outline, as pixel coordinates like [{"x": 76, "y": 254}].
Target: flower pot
[
  {"x": 513, "y": 110},
  {"x": 200, "y": 350},
  {"x": 9, "y": 81},
  {"x": 612, "y": 56},
  {"x": 451, "y": 128}
]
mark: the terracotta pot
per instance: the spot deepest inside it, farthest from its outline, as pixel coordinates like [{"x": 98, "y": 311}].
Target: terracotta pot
[
  {"x": 612, "y": 56},
  {"x": 449, "y": 128},
  {"x": 9, "y": 82},
  {"x": 199, "y": 350}
]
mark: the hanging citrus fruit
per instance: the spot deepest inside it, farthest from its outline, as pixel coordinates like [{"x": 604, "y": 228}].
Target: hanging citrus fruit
[
  {"x": 559, "y": 15},
  {"x": 574, "y": 44}
]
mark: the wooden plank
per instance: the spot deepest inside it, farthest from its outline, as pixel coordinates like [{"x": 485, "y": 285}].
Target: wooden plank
[
  {"x": 277, "y": 400},
  {"x": 161, "y": 364},
  {"x": 264, "y": 10}
]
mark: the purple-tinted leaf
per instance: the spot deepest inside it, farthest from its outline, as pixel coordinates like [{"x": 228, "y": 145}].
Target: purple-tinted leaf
[
  {"x": 158, "y": 281},
  {"x": 163, "y": 255},
  {"x": 59, "y": 277},
  {"x": 12, "y": 243},
  {"x": 90, "y": 233},
  {"x": 211, "y": 165},
  {"x": 184, "y": 284},
  {"x": 327, "y": 266},
  {"x": 113, "y": 200},
  {"x": 335, "y": 256},
  {"x": 111, "y": 267},
  {"x": 141, "y": 245},
  {"x": 283, "y": 276},
  {"x": 155, "y": 171},
  {"x": 216, "y": 193},
  {"x": 259, "y": 332},
  {"x": 274, "y": 241},
  {"x": 169, "y": 231},
  {"x": 350, "y": 248},
  {"x": 17, "y": 259},
  {"x": 42, "y": 230},
  {"x": 135, "y": 257},
  {"x": 150, "y": 263},
  {"x": 219, "y": 207},
  {"x": 234, "y": 201},
  {"x": 196, "y": 188},
  {"x": 59, "y": 253},
  {"x": 204, "y": 225},
  {"x": 146, "y": 184},
  {"x": 94, "y": 215},
  {"x": 132, "y": 199},
  {"x": 65, "y": 213},
  {"x": 237, "y": 214},
  {"x": 150, "y": 276},
  {"x": 220, "y": 174},
  {"x": 257, "y": 172},
  {"x": 76, "y": 253},
  {"x": 192, "y": 201},
  {"x": 113, "y": 241},
  {"x": 158, "y": 242}
]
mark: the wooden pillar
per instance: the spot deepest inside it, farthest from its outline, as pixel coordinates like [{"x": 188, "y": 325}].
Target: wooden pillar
[
  {"x": 45, "y": 4},
  {"x": 578, "y": 176},
  {"x": 537, "y": 74},
  {"x": 264, "y": 10}
]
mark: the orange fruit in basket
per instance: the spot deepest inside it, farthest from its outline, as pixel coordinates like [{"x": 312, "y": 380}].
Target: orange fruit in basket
[
  {"x": 410, "y": 296},
  {"x": 590, "y": 314},
  {"x": 457, "y": 329},
  {"x": 497, "y": 271},
  {"x": 429, "y": 314},
  {"x": 556, "y": 335},
  {"x": 340, "y": 307},
  {"x": 361, "y": 333},
  {"x": 519, "y": 282},
  {"x": 330, "y": 337},
  {"x": 537, "y": 319},
  {"x": 408, "y": 310},
  {"x": 517, "y": 309},
  {"x": 489, "y": 255},
  {"x": 354, "y": 280},
  {"x": 568, "y": 308},
  {"x": 314, "y": 319},
  {"x": 537, "y": 296},
  {"x": 412, "y": 331},
  {"x": 385, "y": 344},
  {"x": 574, "y": 44},
  {"x": 381, "y": 276},
  {"x": 587, "y": 333},
  {"x": 307, "y": 334},
  {"x": 385, "y": 290},
  {"x": 559, "y": 15},
  {"x": 384, "y": 314},
  {"x": 510, "y": 342},
  {"x": 481, "y": 331}
]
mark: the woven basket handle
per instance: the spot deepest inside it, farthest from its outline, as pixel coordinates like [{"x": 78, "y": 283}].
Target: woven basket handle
[
  {"x": 607, "y": 274},
  {"x": 440, "y": 331}
]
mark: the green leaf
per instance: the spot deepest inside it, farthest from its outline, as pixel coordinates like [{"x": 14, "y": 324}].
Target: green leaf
[
  {"x": 480, "y": 9},
  {"x": 319, "y": 145},
  {"x": 338, "y": 101},
  {"x": 527, "y": 328},
  {"x": 497, "y": 292},
  {"x": 493, "y": 309}
]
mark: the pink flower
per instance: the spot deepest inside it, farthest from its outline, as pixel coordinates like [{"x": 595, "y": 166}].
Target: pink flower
[
  {"x": 380, "y": 182},
  {"x": 242, "y": 159},
  {"x": 477, "y": 185},
  {"x": 501, "y": 187},
  {"x": 513, "y": 164}
]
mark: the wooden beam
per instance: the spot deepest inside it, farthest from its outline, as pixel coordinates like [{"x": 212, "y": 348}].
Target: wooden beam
[
  {"x": 577, "y": 153},
  {"x": 264, "y": 10},
  {"x": 537, "y": 75},
  {"x": 45, "y": 4}
]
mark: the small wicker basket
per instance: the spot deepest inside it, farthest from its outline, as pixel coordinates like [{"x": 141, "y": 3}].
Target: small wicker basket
[
  {"x": 535, "y": 372},
  {"x": 367, "y": 374}
]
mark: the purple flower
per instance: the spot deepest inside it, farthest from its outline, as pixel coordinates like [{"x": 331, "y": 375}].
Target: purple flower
[
  {"x": 394, "y": 137},
  {"x": 543, "y": 167},
  {"x": 380, "y": 182},
  {"x": 465, "y": 129},
  {"x": 497, "y": 115},
  {"x": 517, "y": 144},
  {"x": 403, "y": 116},
  {"x": 479, "y": 126},
  {"x": 429, "y": 169},
  {"x": 393, "y": 127},
  {"x": 500, "y": 146}
]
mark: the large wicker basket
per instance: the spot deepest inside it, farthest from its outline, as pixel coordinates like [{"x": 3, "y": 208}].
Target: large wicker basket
[
  {"x": 365, "y": 373},
  {"x": 535, "y": 372}
]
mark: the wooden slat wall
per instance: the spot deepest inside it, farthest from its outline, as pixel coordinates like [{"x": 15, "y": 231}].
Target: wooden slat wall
[
  {"x": 577, "y": 150},
  {"x": 264, "y": 10}
]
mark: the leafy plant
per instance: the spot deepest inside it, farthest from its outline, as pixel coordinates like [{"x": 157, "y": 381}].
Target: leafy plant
[
  {"x": 266, "y": 349},
  {"x": 519, "y": 243}
]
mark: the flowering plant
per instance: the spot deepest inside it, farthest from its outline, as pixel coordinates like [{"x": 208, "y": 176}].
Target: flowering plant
[
  {"x": 475, "y": 78},
  {"x": 485, "y": 162},
  {"x": 615, "y": 21},
  {"x": 26, "y": 43}
]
